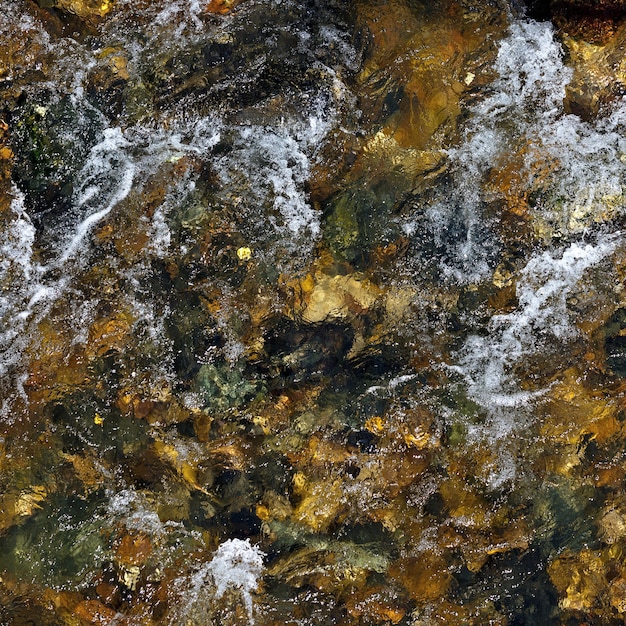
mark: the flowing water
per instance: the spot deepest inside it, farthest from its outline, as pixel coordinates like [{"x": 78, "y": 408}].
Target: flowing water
[{"x": 311, "y": 313}]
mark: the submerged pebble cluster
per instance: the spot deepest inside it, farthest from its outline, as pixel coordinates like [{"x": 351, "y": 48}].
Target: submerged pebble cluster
[{"x": 312, "y": 312}]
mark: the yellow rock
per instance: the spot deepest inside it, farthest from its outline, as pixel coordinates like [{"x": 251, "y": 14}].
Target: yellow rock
[
  {"x": 263, "y": 423},
  {"x": 28, "y": 501},
  {"x": 466, "y": 507},
  {"x": 185, "y": 467},
  {"x": 580, "y": 579},
  {"x": 375, "y": 425},
  {"x": 86, "y": 8},
  {"x": 617, "y": 594},
  {"x": 477, "y": 547},
  {"x": 418, "y": 439},
  {"x": 262, "y": 512},
  {"x": 90, "y": 471},
  {"x": 307, "y": 284},
  {"x": 572, "y": 411},
  {"x": 322, "y": 452},
  {"x": 244, "y": 253},
  {"x": 319, "y": 568},
  {"x": 337, "y": 297},
  {"x": 321, "y": 505}
]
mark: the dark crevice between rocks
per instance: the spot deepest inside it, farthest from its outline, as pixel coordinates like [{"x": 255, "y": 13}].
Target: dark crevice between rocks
[{"x": 593, "y": 21}]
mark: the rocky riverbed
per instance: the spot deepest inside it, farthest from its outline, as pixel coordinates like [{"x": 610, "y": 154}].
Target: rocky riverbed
[{"x": 312, "y": 312}]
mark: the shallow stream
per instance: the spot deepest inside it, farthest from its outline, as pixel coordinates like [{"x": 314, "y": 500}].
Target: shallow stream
[{"x": 311, "y": 313}]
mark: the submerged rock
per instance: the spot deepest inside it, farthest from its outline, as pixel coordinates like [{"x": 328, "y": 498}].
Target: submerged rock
[{"x": 52, "y": 138}]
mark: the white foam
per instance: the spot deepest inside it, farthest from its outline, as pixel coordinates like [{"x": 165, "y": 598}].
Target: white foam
[
  {"x": 107, "y": 179},
  {"x": 184, "y": 14},
  {"x": 487, "y": 362},
  {"x": 17, "y": 275},
  {"x": 532, "y": 76},
  {"x": 588, "y": 184},
  {"x": 525, "y": 109},
  {"x": 135, "y": 511},
  {"x": 16, "y": 247},
  {"x": 236, "y": 566},
  {"x": 524, "y": 99},
  {"x": 276, "y": 162},
  {"x": 160, "y": 235},
  {"x": 273, "y": 165}
]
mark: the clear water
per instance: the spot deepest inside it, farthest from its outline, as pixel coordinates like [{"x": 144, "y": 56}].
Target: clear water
[{"x": 267, "y": 355}]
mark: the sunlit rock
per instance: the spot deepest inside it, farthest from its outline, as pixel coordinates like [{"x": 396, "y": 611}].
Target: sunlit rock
[
  {"x": 184, "y": 461},
  {"x": 599, "y": 73},
  {"x": 29, "y": 502},
  {"x": 574, "y": 415},
  {"x": 221, "y": 7},
  {"x": 617, "y": 594},
  {"x": 337, "y": 297},
  {"x": 580, "y": 580},
  {"x": 109, "y": 334},
  {"x": 613, "y": 523},
  {"x": 415, "y": 80},
  {"x": 322, "y": 503},
  {"x": 86, "y": 9}
]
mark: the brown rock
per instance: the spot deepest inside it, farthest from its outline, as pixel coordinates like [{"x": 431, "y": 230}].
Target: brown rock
[
  {"x": 580, "y": 580},
  {"x": 219, "y": 7},
  {"x": 425, "y": 578},
  {"x": 617, "y": 594},
  {"x": 94, "y": 612},
  {"x": 466, "y": 507},
  {"x": 109, "y": 334},
  {"x": 133, "y": 549},
  {"x": 374, "y": 606}
]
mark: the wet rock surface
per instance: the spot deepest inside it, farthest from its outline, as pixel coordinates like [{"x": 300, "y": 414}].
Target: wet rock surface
[{"x": 311, "y": 312}]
